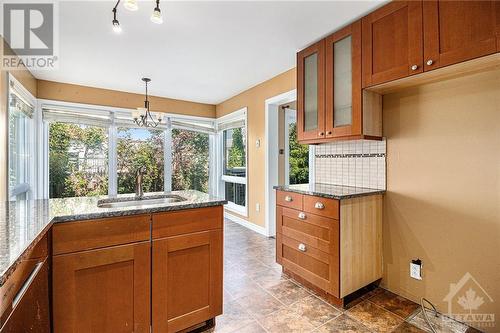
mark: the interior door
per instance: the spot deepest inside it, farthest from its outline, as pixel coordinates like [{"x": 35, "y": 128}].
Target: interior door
[
  {"x": 456, "y": 31},
  {"x": 104, "y": 290},
  {"x": 392, "y": 42},
  {"x": 343, "y": 82},
  {"x": 311, "y": 92},
  {"x": 187, "y": 275}
]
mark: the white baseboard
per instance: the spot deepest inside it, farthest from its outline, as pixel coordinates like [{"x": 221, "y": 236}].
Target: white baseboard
[{"x": 246, "y": 224}]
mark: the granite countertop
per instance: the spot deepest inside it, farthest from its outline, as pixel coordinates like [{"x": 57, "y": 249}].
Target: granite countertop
[
  {"x": 23, "y": 223},
  {"x": 338, "y": 192}
]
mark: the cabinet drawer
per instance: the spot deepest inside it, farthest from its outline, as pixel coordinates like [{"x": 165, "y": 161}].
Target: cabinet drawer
[
  {"x": 289, "y": 199},
  {"x": 313, "y": 230},
  {"x": 187, "y": 221},
  {"x": 321, "y": 206},
  {"x": 20, "y": 275},
  {"x": 92, "y": 234},
  {"x": 311, "y": 264}
]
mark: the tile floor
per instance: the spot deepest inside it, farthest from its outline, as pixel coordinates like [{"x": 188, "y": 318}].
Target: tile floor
[{"x": 259, "y": 298}]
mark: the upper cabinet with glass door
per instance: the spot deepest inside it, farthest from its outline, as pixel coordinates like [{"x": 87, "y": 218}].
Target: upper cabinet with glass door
[
  {"x": 343, "y": 82},
  {"x": 311, "y": 92},
  {"x": 330, "y": 98}
]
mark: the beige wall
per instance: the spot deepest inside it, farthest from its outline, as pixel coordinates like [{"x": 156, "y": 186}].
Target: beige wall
[
  {"x": 443, "y": 188},
  {"x": 96, "y": 96},
  {"x": 30, "y": 83},
  {"x": 254, "y": 99}
]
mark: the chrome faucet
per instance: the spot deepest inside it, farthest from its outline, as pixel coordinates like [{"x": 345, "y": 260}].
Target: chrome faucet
[{"x": 138, "y": 182}]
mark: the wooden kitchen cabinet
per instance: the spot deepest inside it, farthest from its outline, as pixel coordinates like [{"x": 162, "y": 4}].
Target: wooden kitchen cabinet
[
  {"x": 311, "y": 92},
  {"x": 103, "y": 290},
  {"x": 24, "y": 305},
  {"x": 392, "y": 42},
  {"x": 330, "y": 102},
  {"x": 31, "y": 305},
  {"x": 187, "y": 268},
  {"x": 332, "y": 246},
  {"x": 457, "y": 31}
]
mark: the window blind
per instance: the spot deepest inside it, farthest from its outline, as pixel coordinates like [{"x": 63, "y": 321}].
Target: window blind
[
  {"x": 77, "y": 115},
  {"x": 18, "y": 104},
  {"x": 231, "y": 124}
]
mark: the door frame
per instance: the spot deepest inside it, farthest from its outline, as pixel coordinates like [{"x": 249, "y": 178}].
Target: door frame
[
  {"x": 271, "y": 156},
  {"x": 290, "y": 116}
]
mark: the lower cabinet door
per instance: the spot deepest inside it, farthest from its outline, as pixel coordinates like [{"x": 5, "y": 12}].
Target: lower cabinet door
[
  {"x": 187, "y": 280},
  {"x": 103, "y": 290},
  {"x": 31, "y": 305}
]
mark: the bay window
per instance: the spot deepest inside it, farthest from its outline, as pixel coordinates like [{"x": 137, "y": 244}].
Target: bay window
[{"x": 97, "y": 151}]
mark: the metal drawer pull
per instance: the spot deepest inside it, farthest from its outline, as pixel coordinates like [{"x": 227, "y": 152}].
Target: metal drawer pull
[
  {"x": 26, "y": 284},
  {"x": 288, "y": 198},
  {"x": 302, "y": 247},
  {"x": 302, "y": 215},
  {"x": 319, "y": 205}
]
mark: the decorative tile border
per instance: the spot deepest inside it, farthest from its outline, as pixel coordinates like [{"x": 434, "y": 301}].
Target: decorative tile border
[{"x": 348, "y": 155}]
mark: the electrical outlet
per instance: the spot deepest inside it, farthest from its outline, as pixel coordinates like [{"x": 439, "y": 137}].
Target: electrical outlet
[
  {"x": 416, "y": 269},
  {"x": 257, "y": 207}
]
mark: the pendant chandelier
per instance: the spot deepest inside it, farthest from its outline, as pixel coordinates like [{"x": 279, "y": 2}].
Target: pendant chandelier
[{"x": 143, "y": 117}]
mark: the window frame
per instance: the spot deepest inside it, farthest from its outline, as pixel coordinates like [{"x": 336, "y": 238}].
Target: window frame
[
  {"x": 208, "y": 123},
  {"x": 238, "y": 115},
  {"x": 29, "y": 187}
]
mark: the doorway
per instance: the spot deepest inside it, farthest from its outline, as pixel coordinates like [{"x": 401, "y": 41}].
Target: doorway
[{"x": 274, "y": 158}]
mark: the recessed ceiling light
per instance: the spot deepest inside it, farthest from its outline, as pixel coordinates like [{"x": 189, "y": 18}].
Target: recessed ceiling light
[{"x": 131, "y": 5}]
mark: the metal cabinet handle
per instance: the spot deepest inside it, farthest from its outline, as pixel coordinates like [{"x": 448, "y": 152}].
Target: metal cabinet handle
[
  {"x": 321, "y": 133},
  {"x": 319, "y": 205},
  {"x": 302, "y": 247},
  {"x": 328, "y": 133},
  {"x": 288, "y": 198},
  {"x": 302, "y": 215},
  {"x": 429, "y": 62},
  {"x": 414, "y": 67},
  {"x": 26, "y": 284}
]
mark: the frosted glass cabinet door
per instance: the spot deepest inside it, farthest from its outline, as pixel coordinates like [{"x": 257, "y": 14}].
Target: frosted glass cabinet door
[
  {"x": 311, "y": 92},
  {"x": 343, "y": 82}
]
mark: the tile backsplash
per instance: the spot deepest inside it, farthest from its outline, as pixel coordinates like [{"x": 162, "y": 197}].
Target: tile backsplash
[{"x": 359, "y": 163}]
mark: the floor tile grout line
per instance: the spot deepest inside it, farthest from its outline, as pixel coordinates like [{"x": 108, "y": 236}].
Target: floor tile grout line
[{"x": 387, "y": 310}]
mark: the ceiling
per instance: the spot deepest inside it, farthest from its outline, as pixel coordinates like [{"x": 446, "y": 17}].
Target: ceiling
[{"x": 204, "y": 51}]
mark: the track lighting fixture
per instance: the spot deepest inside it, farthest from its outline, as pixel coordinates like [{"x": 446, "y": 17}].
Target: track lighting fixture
[
  {"x": 131, "y": 5},
  {"x": 156, "y": 16}
]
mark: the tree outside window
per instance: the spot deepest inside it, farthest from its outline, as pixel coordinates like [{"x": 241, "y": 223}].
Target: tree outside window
[{"x": 78, "y": 160}]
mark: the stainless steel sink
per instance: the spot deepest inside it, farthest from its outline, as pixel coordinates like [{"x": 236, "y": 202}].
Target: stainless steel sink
[{"x": 144, "y": 201}]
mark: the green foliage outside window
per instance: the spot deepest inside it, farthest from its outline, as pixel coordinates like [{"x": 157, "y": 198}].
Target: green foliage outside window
[
  {"x": 133, "y": 152},
  {"x": 299, "y": 158},
  {"x": 190, "y": 158},
  {"x": 236, "y": 153},
  {"x": 77, "y": 160}
]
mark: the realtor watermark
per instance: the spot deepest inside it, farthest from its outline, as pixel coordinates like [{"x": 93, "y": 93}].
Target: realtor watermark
[
  {"x": 466, "y": 299},
  {"x": 30, "y": 33}
]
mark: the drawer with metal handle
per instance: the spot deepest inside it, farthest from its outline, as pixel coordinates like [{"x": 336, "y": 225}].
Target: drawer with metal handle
[
  {"x": 289, "y": 199},
  {"x": 321, "y": 206},
  {"x": 313, "y": 230}
]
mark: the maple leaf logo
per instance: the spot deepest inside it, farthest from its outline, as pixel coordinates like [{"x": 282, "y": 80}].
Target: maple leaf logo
[{"x": 470, "y": 301}]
